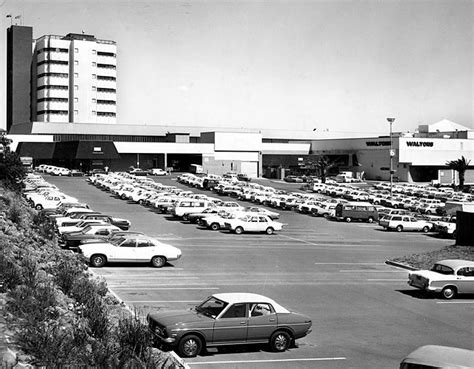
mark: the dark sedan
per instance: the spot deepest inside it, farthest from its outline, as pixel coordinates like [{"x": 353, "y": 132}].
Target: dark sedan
[{"x": 229, "y": 319}]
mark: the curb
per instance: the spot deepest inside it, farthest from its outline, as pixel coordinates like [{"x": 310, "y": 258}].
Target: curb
[{"x": 399, "y": 265}]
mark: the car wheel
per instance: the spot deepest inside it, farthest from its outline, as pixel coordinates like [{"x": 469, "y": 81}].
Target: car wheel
[
  {"x": 190, "y": 346},
  {"x": 426, "y": 229},
  {"x": 158, "y": 261},
  {"x": 186, "y": 217},
  {"x": 348, "y": 220},
  {"x": 399, "y": 228},
  {"x": 448, "y": 292},
  {"x": 239, "y": 230},
  {"x": 428, "y": 212},
  {"x": 215, "y": 226},
  {"x": 454, "y": 234},
  {"x": 371, "y": 220},
  {"x": 269, "y": 230},
  {"x": 280, "y": 341},
  {"x": 98, "y": 260},
  {"x": 39, "y": 207}
]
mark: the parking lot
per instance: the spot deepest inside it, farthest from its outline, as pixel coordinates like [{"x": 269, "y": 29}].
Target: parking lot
[{"x": 364, "y": 314}]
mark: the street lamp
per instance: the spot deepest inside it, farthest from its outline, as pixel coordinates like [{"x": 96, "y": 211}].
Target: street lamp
[{"x": 392, "y": 154}]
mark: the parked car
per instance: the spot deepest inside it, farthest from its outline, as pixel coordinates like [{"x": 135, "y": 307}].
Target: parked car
[
  {"x": 405, "y": 223},
  {"x": 71, "y": 241},
  {"x": 138, "y": 172},
  {"x": 448, "y": 277},
  {"x": 134, "y": 248},
  {"x": 158, "y": 172},
  {"x": 229, "y": 319},
  {"x": 253, "y": 223},
  {"x": 75, "y": 173},
  {"x": 435, "y": 356}
]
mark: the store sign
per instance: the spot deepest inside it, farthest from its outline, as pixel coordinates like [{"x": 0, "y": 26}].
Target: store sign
[
  {"x": 420, "y": 143},
  {"x": 378, "y": 143},
  {"x": 97, "y": 150}
]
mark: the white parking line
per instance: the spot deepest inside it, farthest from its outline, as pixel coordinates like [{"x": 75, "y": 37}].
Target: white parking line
[
  {"x": 370, "y": 271},
  {"x": 455, "y": 302},
  {"x": 266, "y": 361},
  {"x": 384, "y": 280},
  {"x": 161, "y": 301},
  {"x": 165, "y": 288},
  {"x": 349, "y": 263}
]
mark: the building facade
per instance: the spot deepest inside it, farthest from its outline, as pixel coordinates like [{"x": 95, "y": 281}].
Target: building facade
[{"x": 74, "y": 79}]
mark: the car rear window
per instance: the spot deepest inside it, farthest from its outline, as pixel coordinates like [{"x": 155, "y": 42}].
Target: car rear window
[{"x": 442, "y": 269}]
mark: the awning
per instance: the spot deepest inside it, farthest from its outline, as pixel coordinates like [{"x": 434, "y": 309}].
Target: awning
[
  {"x": 37, "y": 150},
  {"x": 86, "y": 150}
]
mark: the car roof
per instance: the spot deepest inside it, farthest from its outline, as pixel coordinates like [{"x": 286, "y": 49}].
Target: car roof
[
  {"x": 441, "y": 356},
  {"x": 456, "y": 263},
  {"x": 236, "y": 297}
]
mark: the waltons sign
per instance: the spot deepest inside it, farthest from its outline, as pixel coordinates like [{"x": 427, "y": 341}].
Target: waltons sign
[{"x": 420, "y": 143}]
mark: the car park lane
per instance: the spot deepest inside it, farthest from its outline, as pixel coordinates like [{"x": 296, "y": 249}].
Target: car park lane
[{"x": 362, "y": 310}]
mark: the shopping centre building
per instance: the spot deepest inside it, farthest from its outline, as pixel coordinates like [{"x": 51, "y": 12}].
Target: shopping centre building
[{"x": 61, "y": 110}]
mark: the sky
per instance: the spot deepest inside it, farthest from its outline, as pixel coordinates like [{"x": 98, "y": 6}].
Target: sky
[{"x": 333, "y": 65}]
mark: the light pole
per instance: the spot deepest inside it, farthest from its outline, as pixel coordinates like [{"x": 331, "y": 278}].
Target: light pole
[{"x": 392, "y": 154}]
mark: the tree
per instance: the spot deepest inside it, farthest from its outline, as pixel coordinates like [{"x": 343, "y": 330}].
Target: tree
[
  {"x": 323, "y": 165},
  {"x": 12, "y": 171},
  {"x": 460, "y": 166}
]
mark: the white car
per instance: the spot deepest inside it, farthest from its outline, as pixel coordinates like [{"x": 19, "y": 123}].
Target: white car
[
  {"x": 405, "y": 223},
  {"x": 448, "y": 277},
  {"x": 253, "y": 223},
  {"x": 134, "y": 248},
  {"x": 255, "y": 209},
  {"x": 158, "y": 172}
]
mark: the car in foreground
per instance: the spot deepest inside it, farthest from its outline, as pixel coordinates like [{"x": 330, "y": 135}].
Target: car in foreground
[
  {"x": 253, "y": 223},
  {"x": 405, "y": 223},
  {"x": 134, "y": 248},
  {"x": 229, "y": 319},
  {"x": 435, "y": 356},
  {"x": 449, "y": 277}
]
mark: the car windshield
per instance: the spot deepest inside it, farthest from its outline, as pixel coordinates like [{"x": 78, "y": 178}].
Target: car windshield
[
  {"x": 211, "y": 307},
  {"x": 442, "y": 269},
  {"x": 86, "y": 229}
]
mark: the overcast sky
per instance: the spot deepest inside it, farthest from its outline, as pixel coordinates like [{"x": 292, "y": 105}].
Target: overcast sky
[{"x": 344, "y": 66}]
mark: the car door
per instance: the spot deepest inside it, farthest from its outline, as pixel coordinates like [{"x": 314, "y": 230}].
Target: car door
[
  {"x": 262, "y": 322},
  {"x": 465, "y": 280},
  {"x": 231, "y": 326},
  {"x": 252, "y": 224},
  {"x": 143, "y": 250},
  {"x": 125, "y": 251}
]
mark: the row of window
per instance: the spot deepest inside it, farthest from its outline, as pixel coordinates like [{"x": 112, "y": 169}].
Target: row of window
[
  {"x": 105, "y": 102},
  {"x": 54, "y": 49},
  {"x": 52, "y": 87},
  {"x": 116, "y": 138},
  {"x": 57, "y": 112},
  {"x": 106, "y": 78},
  {"x": 106, "y": 66},
  {"x": 53, "y": 62},
  {"x": 53, "y": 99},
  {"x": 50, "y": 74},
  {"x": 104, "y": 53},
  {"x": 105, "y": 114}
]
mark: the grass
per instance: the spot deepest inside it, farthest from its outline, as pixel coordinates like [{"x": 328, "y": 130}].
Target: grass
[{"x": 426, "y": 260}]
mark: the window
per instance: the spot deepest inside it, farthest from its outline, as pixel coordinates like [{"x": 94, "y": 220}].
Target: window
[
  {"x": 261, "y": 310},
  {"x": 236, "y": 311},
  {"x": 128, "y": 243},
  {"x": 466, "y": 272},
  {"x": 143, "y": 243}
]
